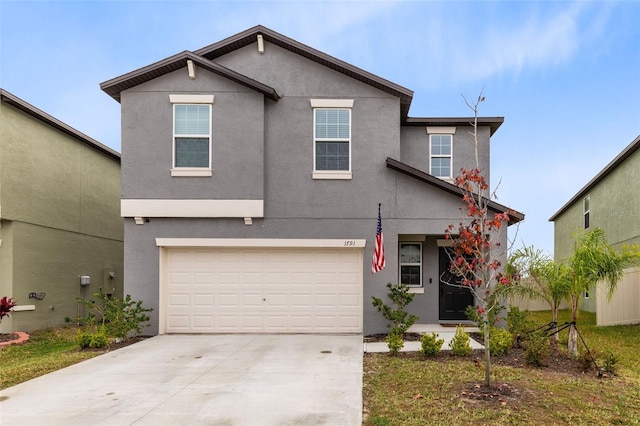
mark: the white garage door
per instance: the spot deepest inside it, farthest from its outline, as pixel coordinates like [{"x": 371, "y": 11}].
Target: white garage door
[{"x": 245, "y": 290}]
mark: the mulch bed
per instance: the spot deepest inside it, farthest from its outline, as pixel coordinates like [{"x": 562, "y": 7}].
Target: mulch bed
[{"x": 7, "y": 337}]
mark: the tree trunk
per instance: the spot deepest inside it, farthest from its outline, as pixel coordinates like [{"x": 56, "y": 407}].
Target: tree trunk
[
  {"x": 487, "y": 352},
  {"x": 572, "y": 346},
  {"x": 554, "y": 311}
]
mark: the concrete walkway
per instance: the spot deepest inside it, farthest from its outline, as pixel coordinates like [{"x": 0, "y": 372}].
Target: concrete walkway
[
  {"x": 445, "y": 333},
  {"x": 201, "y": 380}
]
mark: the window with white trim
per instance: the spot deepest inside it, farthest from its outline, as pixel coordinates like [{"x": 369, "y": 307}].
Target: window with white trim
[
  {"x": 441, "y": 156},
  {"x": 410, "y": 264},
  {"x": 331, "y": 138},
  {"x": 191, "y": 135},
  {"x": 586, "y": 210}
]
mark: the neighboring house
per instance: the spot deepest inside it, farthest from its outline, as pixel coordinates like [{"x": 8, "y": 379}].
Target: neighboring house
[
  {"x": 610, "y": 201},
  {"x": 60, "y": 219},
  {"x": 252, "y": 173}
]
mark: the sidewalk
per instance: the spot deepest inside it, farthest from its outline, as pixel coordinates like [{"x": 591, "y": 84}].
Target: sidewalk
[{"x": 445, "y": 333}]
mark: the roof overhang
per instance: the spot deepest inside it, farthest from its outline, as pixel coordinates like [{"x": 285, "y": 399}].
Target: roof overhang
[
  {"x": 249, "y": 36},
  {"x": 620, "y": 158},
  {"x": 514, "y": 216},
  {"x": 38, "y": 114},
  {"x": 116, "y": 85},
  {"x": 493, "y": 122}
]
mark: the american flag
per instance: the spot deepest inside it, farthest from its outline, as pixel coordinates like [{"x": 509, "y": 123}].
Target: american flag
[{"x": 378, "y": 251}]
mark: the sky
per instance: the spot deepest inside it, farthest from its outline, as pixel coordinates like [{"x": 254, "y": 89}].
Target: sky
[{"x": 565, "y": 75}]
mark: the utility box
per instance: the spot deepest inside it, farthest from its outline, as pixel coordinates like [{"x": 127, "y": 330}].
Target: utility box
[{"x": 85, "y": 280}]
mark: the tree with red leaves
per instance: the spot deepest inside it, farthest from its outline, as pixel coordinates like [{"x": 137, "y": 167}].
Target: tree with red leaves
[{"x": 475, "y": 250}]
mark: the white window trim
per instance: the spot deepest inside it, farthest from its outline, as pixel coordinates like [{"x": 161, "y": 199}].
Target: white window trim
[
  {"x": 332, "y": 104},
  {"x": 400, "y": 264},
  {"x": 450, "y": 157},
  {"x": 191, "y": 99},
  {"x": 586, "y": 211}
]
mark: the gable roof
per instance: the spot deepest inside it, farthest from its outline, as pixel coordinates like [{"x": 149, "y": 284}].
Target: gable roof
[
  {"x": 38, "y": 114},
  {"x": 514, "y": 216},
  {"x": 620, "y": 158},
  {"x": 116, "y": 85},
  {"x": 249, "y": 36}
]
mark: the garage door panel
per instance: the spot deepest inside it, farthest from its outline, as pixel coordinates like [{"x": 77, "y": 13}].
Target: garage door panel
[{"x": 264, "y": 290}]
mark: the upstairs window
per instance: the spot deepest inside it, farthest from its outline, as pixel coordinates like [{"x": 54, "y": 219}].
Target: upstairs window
[
  {"x": 331, "y": 138},
  {"x": 191, "y": 135},
  {"x": 586, "y": 209},
  {"x": 441, "y": 150},
  {"x": 411, "y": 264}
]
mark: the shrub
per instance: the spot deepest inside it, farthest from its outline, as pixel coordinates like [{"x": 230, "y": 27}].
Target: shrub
[
  {"x": 501, "y": 341},
  {"x": 430, "y": 345},
  {"x": 537, "y": 348},
  {"x": 395, "y": 341},
  {"x": 610, "y": 362},
  {"x": 119, "y": 317},
  {"x": 460, "y": 345},
  {"x": 519, "y": 323},
  {"x": 6, "y": 306},
  {"x": 94, "y": 337},
  {"x": 400, "y": 319}
]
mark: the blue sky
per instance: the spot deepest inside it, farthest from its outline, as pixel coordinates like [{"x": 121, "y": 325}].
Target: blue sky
[{"x": 565, "y": 75}]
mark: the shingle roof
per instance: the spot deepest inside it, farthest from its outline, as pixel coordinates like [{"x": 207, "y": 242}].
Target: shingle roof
[
  {"x": 620, "y": 158},
  {"x": 16, "y": 102},
  {"x": 514, "y": 216}
]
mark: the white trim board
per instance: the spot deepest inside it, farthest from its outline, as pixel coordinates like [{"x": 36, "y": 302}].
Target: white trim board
[
  {"x": 191, "y": 208},
  {"x": 260, "y": 242}
]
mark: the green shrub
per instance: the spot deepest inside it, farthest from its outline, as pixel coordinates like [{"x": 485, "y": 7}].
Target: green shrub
[
  {"x": 119, "y": 317},
  {"x": 500, "y": 341},
  {"x": 609, "y": 364},
  {"x": 430, "y": 345},
  {"x": 460, "y": 345},
  {"x": 92, "y": 337},
  {"x": 519, "y": 323},
  {"x": 537, "y": 348},
  {"x": 400, "y": 320},
  {"x": 395, "y": 342}
]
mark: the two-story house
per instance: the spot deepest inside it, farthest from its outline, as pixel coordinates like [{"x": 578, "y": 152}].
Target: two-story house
[
  {"x": 61, "y": 234},
  {"x": 609, "y": 201},
  {"x": 252, "y": 173}
]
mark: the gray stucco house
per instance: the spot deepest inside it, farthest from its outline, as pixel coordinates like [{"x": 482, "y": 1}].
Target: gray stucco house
[
  {"x": 59, "y": 217},
  {"x": 611, "y": 201},
  {"x": 252, "y": 171}
]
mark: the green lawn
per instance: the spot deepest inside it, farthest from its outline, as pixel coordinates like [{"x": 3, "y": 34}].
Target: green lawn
[
  {"x": 46, "y": 351},
  {"x": 411, "y": 390}
]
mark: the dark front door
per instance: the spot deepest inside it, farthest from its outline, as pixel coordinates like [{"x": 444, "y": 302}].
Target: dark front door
[{"x": 453, "y": 300}]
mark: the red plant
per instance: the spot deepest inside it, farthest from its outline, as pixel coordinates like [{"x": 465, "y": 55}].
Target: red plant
[{"x": 6, "y": 306}]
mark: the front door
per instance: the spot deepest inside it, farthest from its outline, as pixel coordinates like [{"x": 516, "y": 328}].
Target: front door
[{"x": 453, "y": 300}]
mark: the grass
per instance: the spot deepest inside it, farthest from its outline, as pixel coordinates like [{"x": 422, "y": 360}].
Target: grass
[
  {"x": 412, "y": 390},
  {"x": 46, "y": 351}
]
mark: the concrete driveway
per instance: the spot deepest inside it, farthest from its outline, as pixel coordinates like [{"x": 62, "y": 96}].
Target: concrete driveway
[{"x": 201, "y": 380}]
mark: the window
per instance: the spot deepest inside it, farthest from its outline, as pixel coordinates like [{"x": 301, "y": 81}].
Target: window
[
  {"x": 441, "y": 155},
  {"x": 586, "y": 209},
  {"x": 191, "y": 135},
  {"x": 332, "y": 138},
  {"x": 411, "y": 264}
]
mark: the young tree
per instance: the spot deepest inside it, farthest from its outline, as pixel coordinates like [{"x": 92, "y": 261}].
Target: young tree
[
  {"x": 594, "y": 260},
  {"x": 475, "y": 250},
  {"x": 537, "y": 276}
]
